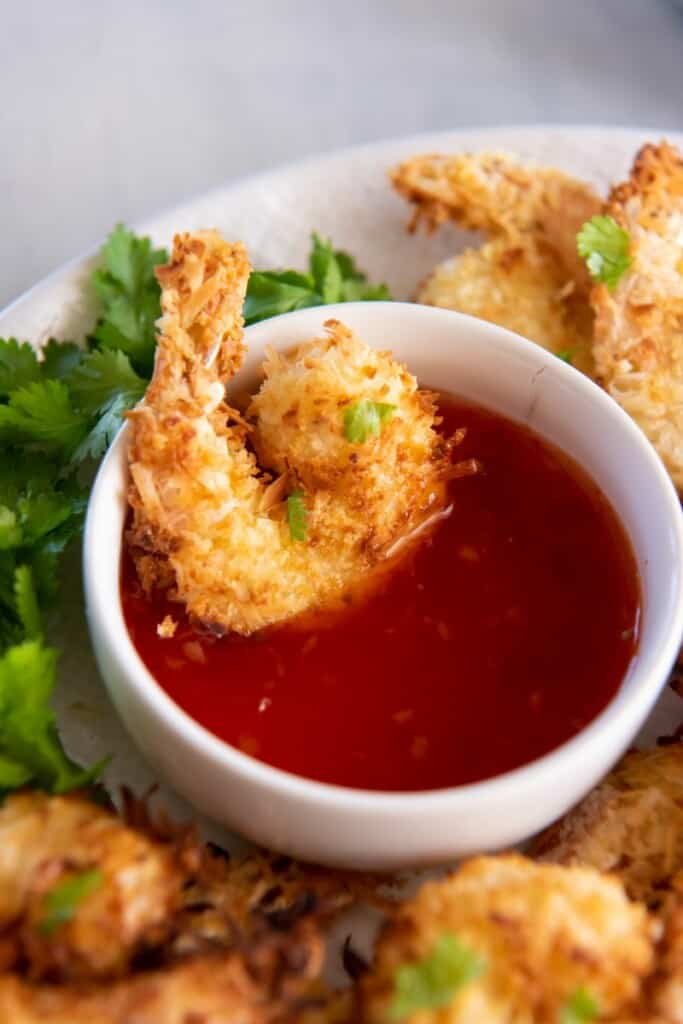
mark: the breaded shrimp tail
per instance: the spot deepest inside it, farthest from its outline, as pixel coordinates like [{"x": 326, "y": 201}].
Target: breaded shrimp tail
[
  {"x": 498, "y": 195},
  {"x": 209, "y": 525},
  {"x": 528, "y": 277},
  {"x": 638, "y": 346}
]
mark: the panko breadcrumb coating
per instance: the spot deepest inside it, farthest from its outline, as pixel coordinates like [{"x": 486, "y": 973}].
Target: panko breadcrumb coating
[
  {"x": 384, "y": 485},
  {"x": 45, "y": 841},
  {"x": 529, "y": 277},
  {"x": 543, "y": 931},
  {"x": 207, "y": 523},
  {"x": 212, "y": 990},
  {"x": 630, "y": 825},
  {"x": 638, "y": 346}
]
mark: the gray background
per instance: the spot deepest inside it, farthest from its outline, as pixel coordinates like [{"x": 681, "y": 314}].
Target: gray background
[{"x": 112, "y": 111}]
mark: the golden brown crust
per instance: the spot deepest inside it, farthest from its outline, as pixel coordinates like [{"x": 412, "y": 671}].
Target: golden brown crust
[
  {"x": 211, "y": 990},
  {"x": 497, "y": 194},
  {"x": 543, "y": 932},
  {"x": 638, "y": 345},
  {"x": 205, "y": 519},
  {"x": 528, "y": 277},
  {"x": 630, "y": 825},
  {"x": 47, "y": 840}
]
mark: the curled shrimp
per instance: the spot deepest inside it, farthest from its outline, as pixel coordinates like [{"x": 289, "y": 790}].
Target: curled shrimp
[{"x": 210, "y": 521}]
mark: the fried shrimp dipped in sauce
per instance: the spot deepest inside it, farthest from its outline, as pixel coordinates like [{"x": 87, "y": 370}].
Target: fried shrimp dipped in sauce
[
  {"x": 54, "y": 922},
  {"x": 208, "y": 523},
  {"x": 638, "y": 346},
  {"x": 527, "y": 276},
  {"x": 521, "y": 940}
]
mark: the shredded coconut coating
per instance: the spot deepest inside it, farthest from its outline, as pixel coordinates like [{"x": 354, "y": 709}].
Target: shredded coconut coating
[
  {"x": 630, "y": 825},
  {"x": 216, "y": 989},
  {"x": 46, "y": 840},
  {"x": 543, "y": 932},
  {"x": 638, "y": 346},
  {"x": 529, "y": 277},
  {"x": 207, "y": 522}
]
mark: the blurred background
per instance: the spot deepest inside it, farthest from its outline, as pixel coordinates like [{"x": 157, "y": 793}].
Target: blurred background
[{"x": 114, "y": 111}]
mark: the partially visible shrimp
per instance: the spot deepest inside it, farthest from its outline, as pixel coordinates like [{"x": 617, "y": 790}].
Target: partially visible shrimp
[
  {"x": 207, "y": 523},
  {"x": 638, "y": 344},
  {"x": 528, "y": 276},
  {"x": 49, "y": 846}
]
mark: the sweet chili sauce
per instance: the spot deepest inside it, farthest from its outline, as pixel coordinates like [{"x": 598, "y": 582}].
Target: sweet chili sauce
[{"x": 498, "y": 637}]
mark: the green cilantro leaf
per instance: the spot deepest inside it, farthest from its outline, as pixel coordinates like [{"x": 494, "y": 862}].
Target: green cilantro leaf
[
  {"x": 129, "y": 292},
  {"x": 580, "y": 1009},
  {"x": 434, "y": 981},
  {"x": 363, "y": 418},
  {"x": 18, "y": 365},
  {"x": 95, "y": 444},
  {"x": 61, "y": 902},
  {"x": 272, "y": 292},
  {"x": 41, "y": 414},
  {"x": 297, "y": 516},
  {"x": 101, "y": 376},
  {"x": 326, "y": 271},
  {"x": 59, "y": 358},
  {"x": 10, "y": 531},
  {"x": 566, "y": 355},
  {"x": 26, "y": 601},
  {"x": 605, "y": 247},
  {"x": 28, "y": 732},
  {"x": 333, "y": 277}
]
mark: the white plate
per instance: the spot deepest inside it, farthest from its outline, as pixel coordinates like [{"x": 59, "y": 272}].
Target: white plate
[{"x": 346, "y": 196}]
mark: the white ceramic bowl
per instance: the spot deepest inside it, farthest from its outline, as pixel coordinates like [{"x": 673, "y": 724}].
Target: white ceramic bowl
[{"x": 363, "y": 829}]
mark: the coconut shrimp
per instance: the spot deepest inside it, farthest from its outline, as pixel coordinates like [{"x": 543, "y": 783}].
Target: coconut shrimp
[
  {"x": 638, "y": 336},
  {"x": 532, "y": 937},
  {"x": 527, "y": 276},
  {"x": 81, "y": 893},
  {"x": 211, "y": 523}
]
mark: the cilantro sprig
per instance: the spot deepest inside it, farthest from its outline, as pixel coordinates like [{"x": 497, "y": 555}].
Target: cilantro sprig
[
  {"x": 332, "y": 277},
  {"x": 297, "y": 516},
  {"x": 61, "y": 902},
  {"x": 435, "y": 980},
  {"x": 59, "y": 411},
  {"x": 365, "y": 418},
  {"x": 581, "y": 1008},
  {"x": 605, "y": 247}
]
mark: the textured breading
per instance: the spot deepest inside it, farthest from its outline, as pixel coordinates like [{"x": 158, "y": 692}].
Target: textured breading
[
  {"x": 543, "y": 931},
  {"x": 47, "y": 840},
  {"x": 384, "y": 485},
  {"x": 529, "y": 278},
  {"x": 519, "y": 289},
  {"x": 631, "y": 825},
  {"x": 206, "y": 521},
  {"x": 638, "y": 346},
  {"x": 215, "y": 989}
]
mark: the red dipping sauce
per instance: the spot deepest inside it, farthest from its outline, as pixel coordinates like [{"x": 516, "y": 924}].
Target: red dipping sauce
[{"x": 500, "y": 636}]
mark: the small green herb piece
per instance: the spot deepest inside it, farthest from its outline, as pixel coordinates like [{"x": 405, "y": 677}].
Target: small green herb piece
[
  {"x": 41, "y": 414},
  {"x": 103, "y": 384},
  {"x": 605, "y": 247},
  {"x": 18, "y": 365},
  {"x": 364, "y": 418},
  {"x": 297, "y": 516},
  {"x": 30, "y": 747},
  {"x": 61, "y": 903},
  {"x": 332, "y": 277},
  {"x": 129, "y": 292},
  {"x": 434, "y": 981},
  {"x": 566, "y": 355},
  {"x": 580, "y": 1009}
]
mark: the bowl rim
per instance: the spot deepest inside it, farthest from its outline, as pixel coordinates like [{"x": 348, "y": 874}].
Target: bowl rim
[{"x": 622, "y": 706}]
